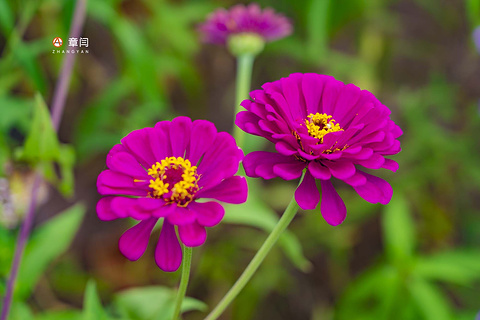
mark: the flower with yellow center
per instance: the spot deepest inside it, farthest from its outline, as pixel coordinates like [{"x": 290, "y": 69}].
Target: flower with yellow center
[
  {"x": 174, "y": 180},
  {"x": 320, "y": 124}
]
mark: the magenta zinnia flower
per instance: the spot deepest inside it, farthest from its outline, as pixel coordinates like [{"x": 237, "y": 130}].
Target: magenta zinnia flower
[
  {"x": 330, "y": 129},
  {"x": 240, "y": 19},
  {"x": 162, "y": 172}
]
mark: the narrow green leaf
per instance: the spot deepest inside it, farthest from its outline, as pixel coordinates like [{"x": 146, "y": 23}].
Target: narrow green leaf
[
  {"x": 460, "y": 267},
  {"x": 398, "y": 230},
  {"x": 41, "y": 144},
  {"x": 48, "y": 242},
  {"x": 15, "y": 112},
  {"x": 373, "y": 295},
  {"x": 66, "y": 162},
  {"x": 473, "y": 12},
  {"x": 31, "y": 65},
  {"x": 60, "y": 315},
  {"x": 152, "y": 303},
  {"x": 6, "y": 18},
  {"x": 430, "y": 300},
  {"x": 92, "y": 306},
  {"x": 317, "y": 27}
]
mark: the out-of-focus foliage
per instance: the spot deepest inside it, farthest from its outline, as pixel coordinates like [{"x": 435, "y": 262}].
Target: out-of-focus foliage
[{"x": 417, "y": 258}]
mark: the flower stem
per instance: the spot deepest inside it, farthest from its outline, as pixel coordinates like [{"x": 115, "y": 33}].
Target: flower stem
[
  {"x": 182, "y": 289},
  {"x": 252, "y": 267},
  {"x": 244, "y": 78}
]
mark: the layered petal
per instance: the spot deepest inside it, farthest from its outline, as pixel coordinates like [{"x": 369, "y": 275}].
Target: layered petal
[
  {"x": 261, "y": 164},
  {"x": 332, "y": 207},
  {"x": 168, "y": 253},
  {"x": 192, "y": 235},
  {"x": 208, "y": 214},
  {"x": 231, "y": 190},
  {"x": 375, "y": 190},
  {"x": 307, "y": 194},
  {"x": 134, "y": 241}
]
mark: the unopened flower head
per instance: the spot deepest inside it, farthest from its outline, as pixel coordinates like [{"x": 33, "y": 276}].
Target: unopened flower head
[
  {"x": 245, "y": 29},
  {"x": 161, "y": 173},
  {"x": 327, "y": 128}
]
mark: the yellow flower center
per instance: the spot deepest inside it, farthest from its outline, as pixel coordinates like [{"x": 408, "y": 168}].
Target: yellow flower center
[
  {"x": 174, "y": 180},
  {"x": 320, "y": 124}
]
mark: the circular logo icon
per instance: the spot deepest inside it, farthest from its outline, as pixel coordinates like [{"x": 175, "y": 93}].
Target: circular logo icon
[{"x": 57, "y": 42}]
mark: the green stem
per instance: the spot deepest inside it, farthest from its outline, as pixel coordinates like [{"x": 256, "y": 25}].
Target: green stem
[
  {"x": 182, "y": 289},
  {"x": 252, "y": 267},
  {"x": 243, "y": 81}
]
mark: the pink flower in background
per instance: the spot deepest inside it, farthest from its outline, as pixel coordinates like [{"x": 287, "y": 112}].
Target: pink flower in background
[
  {"x": 161, "y": 172},
  {"x": 240, "y": 19},
  {"x": 330, "y": 129}
]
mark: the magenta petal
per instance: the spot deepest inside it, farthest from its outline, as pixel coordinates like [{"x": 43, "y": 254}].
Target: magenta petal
[
  {"x": 231, "y": 190},
  {"x": 289, "y": 171},
  {"x": 137, "y": 142},
  {"x": 159, "y": 144},
  {"x": 260, "y": 163},
  {"x": 341, "y": 169},
  {"x": 332, "y": 207},
  {"x": 357, "y": 179},
  {"x": 134, "y": 241},
  {"x": 125, "y": 163},
  {"x": 390, "y": 165},
  {"x": 178, "y": 215},
  {"x": 168, "y": 253},
  {"x": 180, "y": 128},
  {"x": 319, "y": 171},
  {"x": 128, "y": 207},
  {"x": 375, "y": 190},
  {"x": 307, "y": 195},
  {"x": 114, "y": 183},
  {"x": 104, "y": 209},
  {"x": 192, "y": 235},
  {"x": 376, "y": 161},
  {"x": 209, "y": 214},
  {"x": 202, "y": 137}
]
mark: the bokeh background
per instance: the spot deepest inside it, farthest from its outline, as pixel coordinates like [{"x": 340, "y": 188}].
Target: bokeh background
[{"x": 417, "y": 258}]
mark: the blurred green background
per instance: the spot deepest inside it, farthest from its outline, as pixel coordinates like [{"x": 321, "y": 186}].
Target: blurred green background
[{"x": 417, "y": 258}]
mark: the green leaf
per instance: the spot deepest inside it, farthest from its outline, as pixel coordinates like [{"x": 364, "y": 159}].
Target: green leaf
[
  {"x": 6, "y": 18},
  {"x": 152, "y": 303},
  {"x": 66, "y": 162},
  {"x": 473, "y": 12},
  {"x": 430, "y": 300},
  {"x": 398, "y": 230},
  {"x": 4, "y": 156},
  {"x": 20, "y": 311},
  {"x": 92, "y": 306},
  {"x": 317, "y": 27},
  {"x": 460, "y": 267},
  {"x": 30, "y": 63},
  {"x": 41, "y": 144},
  {"x": 15, "y": 112},
  {"x": 255, "y": 213},
  {"x": 60, "y": 315},
  {"x": 374, "y": 295},
  {"x": 48, "y": 242}
]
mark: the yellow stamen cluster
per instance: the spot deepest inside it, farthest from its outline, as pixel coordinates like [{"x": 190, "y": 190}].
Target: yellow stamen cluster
[
  {"x": 320, "y": 124},
  {"x": 182, "y": 191}
]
